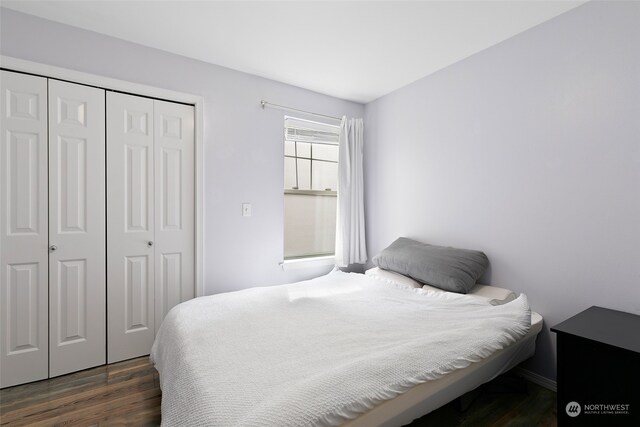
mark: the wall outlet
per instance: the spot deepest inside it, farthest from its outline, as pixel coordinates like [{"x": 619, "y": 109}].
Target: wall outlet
[{"x": 246, "y": 209}]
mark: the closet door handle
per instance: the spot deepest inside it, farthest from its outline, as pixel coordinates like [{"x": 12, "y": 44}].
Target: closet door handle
[
  {"x": 53, "y": 248},
  {"x": 150, "y": 243}
]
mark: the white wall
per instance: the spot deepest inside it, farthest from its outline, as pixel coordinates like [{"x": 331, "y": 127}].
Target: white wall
[
  {"x": 529, "y": 151},
  {"x": 242, "y": 143}
]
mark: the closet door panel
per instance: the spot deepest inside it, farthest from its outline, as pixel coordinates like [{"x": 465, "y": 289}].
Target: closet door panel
[
  {"x": 77, "y": 227},
  {"x": 130, "y": 224},
  {"x": 23, "y": 229},
  {"x": 174, "y": 206}
]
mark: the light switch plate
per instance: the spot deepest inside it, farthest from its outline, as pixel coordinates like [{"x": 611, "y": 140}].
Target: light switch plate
[{"x": 246, "y": 209}]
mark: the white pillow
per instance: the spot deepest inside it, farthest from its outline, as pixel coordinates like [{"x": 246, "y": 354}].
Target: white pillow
[
  {"x": 394, "y": 278},
  {"x": 493, "y": 294}
]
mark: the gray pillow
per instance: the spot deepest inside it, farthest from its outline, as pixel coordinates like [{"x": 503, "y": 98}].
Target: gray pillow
[{"x": 450, "y": 269}]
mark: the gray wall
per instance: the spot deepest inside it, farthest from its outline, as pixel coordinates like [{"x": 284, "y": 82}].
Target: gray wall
[
  {"x": 529, "y": 151},
  {"x": 242, "y": 143}
]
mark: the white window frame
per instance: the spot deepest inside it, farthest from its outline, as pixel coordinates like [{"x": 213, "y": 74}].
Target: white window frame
[{"x": 308, "y": 261}]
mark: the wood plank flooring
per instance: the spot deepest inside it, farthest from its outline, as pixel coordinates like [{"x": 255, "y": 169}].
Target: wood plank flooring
[
  {"x": 125, "y": 393},
  {"x": 505, "y": 401},
  {"x": 128, "y": 394}
]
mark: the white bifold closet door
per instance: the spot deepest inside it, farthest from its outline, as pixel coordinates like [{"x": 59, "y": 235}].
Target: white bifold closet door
[
  {"x": 150, "y": 241},
  {"x": 24, "y": 275},
  {"x": 52, "y": 217},
  {"x": 174, "y": 202},
  {"x": 77, "y": 228}
]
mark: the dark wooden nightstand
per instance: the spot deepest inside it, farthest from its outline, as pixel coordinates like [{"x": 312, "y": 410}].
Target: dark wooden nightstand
[{"x": 599, "y": 369}]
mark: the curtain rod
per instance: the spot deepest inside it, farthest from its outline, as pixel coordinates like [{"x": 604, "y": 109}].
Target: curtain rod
[{"x": 264, "y": 104}]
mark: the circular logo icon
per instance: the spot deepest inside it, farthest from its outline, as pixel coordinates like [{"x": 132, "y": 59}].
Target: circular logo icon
[{"x": 573, "y": 409}]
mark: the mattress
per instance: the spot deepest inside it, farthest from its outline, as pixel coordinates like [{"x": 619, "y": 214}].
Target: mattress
[{"x": 429, "y": 396}]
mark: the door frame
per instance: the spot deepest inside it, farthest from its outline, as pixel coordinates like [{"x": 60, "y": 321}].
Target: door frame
[{"x": 20, "y": 65}]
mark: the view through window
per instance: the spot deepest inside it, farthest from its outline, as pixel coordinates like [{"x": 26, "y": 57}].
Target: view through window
[{"x": 310, "y": 188}]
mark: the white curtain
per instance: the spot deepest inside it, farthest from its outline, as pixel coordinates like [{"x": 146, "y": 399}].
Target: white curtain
[{"x": 350, "y": 239}]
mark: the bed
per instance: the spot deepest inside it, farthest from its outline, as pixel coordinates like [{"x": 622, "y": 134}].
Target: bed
[
  {"x": 431, "y": 395},
  {"x": 342, "y": 349}
]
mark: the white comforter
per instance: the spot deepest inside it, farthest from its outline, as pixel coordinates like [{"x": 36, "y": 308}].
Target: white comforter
[{"x": 318, "y": 352}]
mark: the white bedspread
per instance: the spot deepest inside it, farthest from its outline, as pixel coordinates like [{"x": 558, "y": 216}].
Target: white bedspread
[{"x": 318, "y": 352}]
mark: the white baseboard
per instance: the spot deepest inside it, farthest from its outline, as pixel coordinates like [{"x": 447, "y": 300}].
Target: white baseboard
[{"x": 537, "y": 379}]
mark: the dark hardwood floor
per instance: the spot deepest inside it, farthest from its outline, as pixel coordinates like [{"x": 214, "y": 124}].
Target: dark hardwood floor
[
  {"x": 128, "y": 393},
  {"x": 125, "y": 393},
  {"x": 505, "y": 401}
]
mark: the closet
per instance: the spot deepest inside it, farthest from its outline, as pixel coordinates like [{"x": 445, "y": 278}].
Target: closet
[{"x": 96, "y": 224}]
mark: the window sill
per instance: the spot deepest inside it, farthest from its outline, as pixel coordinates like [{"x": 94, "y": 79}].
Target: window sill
[
  {"x": 295, "y": 264},
  {"x": 311, "y": 192}
]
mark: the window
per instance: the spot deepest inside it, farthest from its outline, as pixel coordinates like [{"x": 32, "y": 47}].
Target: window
[{"x": 310, "y": 188}]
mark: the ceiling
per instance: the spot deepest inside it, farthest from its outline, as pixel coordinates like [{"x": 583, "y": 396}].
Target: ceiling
[{"x": 355, "y": 50}]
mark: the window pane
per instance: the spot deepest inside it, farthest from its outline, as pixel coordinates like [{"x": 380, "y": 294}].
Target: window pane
[
  {"x": 289, "y": 172},
  {"x": 325, "y": 175},
  {"x": 304, "y": 174},
  {"x": 325, "y": 152},
  {"x": 289, "y": 148},
  {"x": 310, "y": 225},
  {"x": 304, "y": 149}
]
